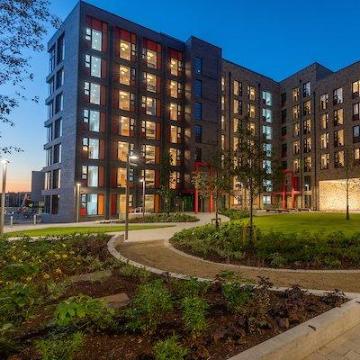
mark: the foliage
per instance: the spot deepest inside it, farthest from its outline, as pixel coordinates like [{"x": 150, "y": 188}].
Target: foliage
[
  {"x": 237, "y": 295},
  {"x": 166, "y": 192},
  {"x": 169, "y": 349},
  {"x": 24, "y": 26},
  {"x": 189, "y": 288},
  {"x": 164, "y": 218},
  {"x": 60, "y": 347},
  {"x": 194, "y": 314},
  {"x": 149, "y": 306},
  {"x": 235, "y": 214},
  {"x": 84, "y": 309}
]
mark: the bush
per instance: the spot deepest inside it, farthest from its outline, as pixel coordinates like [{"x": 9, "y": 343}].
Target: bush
[
  {"x": 163, "y": 217},
  {"x": 189, "y": 288},
  {"x": 78, "y": 310},
  {"x": 149, "y": 306},
  {"x": 234, "y": 214},
  {"x": 194, "y": 314},
  {"x": 169, "y": 349},
  {"x": 59, "y": 347},
  {"x": 237, "y": 295}
]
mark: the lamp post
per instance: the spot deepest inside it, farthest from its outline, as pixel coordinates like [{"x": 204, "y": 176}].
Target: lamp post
[
  {"x": 78, "y": 184},
  {"x": 143, "y": 181},
  {"x": 4, "y": 164},
  {"x": 129, "y": 158}
]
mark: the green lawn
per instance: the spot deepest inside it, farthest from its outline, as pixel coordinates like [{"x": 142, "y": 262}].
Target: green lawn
[
  {"x": 311, "y": 222},
  {"x": 55, "y": 231}
]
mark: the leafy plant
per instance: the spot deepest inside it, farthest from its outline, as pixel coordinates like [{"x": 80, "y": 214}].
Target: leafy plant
[
  {"x": 149, "y": 306},
  {"x": 194, "y": 314},
  {"x": 60, "y": 347},
  {"x": 189, "y": 288},
  {"x": 169, "y": 349},
  {"x": 237, "y": 295},
  {"x": 84, "y": 309}
]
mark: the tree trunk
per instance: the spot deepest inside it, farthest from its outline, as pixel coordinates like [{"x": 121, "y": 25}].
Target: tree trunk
[
  {"x": 251, "y": 233},
  {"x": 216, "y": 212},
  {"x": 347, "y": 200}
]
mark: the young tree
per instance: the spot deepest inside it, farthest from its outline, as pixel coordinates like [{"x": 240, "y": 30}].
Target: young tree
[
  {"x": 277, "y": 177},
  {"x": 165, "y": 191},
  {"x": 251, "y": 168},
  {"x": 23, "y": 28}
]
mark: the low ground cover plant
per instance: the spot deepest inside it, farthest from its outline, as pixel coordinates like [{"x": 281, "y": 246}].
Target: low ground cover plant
[
  {"x": 164, "y": 218},
  {"x": 275, "y": 249},
  {"x": 235, "y": 214}
]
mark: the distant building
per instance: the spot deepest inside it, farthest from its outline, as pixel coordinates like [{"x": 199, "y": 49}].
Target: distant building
[
  {"x": 16, "y": 199},
  {"x": 37, "y": 185}
]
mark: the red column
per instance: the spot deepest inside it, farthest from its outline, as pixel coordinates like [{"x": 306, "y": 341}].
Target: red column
[
  {"x": 211, "y": 202},
  {"x": 196, "y": 201}
]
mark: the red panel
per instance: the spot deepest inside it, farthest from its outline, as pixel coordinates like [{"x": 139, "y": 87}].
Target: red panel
[
  {"x": 113, "y": 178},
  {"x": 101, "y": 176},
  {"x": 158, "y": 108},
  {"x": 102, "y": 95},
  {"x": 114, "y": 149},
  {"x": 102, "y": 121},
  {"x": 125, "y": 35},
  {"x": 174, "y": 54},
  {"x": 113, "y": 204},
  {"x": 103, "y": 68},
  {"x": 102, "y": 150}
]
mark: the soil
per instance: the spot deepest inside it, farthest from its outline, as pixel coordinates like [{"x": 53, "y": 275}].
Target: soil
[{"x": 227, "y": 333}]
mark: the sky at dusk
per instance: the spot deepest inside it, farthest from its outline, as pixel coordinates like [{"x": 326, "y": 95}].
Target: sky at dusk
[{"x": 273, "y": 37}]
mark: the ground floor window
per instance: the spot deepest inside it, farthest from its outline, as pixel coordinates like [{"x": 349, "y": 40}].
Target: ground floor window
[
  {"x": 266, "y": 199},
  {"x": 149, "y": 203},
  {"x": 91, "y": 204}
]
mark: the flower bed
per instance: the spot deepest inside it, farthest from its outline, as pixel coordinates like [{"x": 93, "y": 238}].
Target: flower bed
[
  {"x": 45, "y": 314},
  {"x": 272, "y": 249}
]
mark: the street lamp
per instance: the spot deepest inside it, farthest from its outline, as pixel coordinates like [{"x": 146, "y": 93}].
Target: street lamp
[
  {"x": 4, "y": 164},
  {"x": 143, "y": 181},
  {"x": 78, "y": 185},
  {"x": 129, "y": 158}
]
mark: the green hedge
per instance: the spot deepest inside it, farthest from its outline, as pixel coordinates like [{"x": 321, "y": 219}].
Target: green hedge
[
  {"x": 163, "y": 218},
  {"x": 234, "y": 214}
]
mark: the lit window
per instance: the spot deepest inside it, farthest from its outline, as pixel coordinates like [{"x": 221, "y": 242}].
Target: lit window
[
  {"x": 92, "y": 91},
  {"x": 307, "y": 108},
  {"x": 251, "y": 111},
  {"x": 296, "y": 147},
  {"x": 149, "y": 152},
  {"x": 296, "y": 166},
  {"x": 126, "y": 126},
  {"x": 91, "y": 147},
  {"x": 175, "y": 111},
  {"x": 307, "y": 145},
  {"x": 267, "y": 115},
  {"x": 307, "y": 164},
  {"x": 126, "y": 101},
  {"x": 150, "y": 178},
  {"x": 356, "y": 111},
  {"x": 93, "y": 176},
  {"x": 267, "y": 132},
  {"x": 175, "y": 89},
  {"x": 94, "y": 64},
  {"x": 149, "y": 105},
  {"x": 338, "y": 138},
  {"x": 296, "y": 112},
  {"x": 306, "y": 89},
  {"x": 95, "y": 37},
  {"x": 295, "y": 94},
  {"x": 267, "y": 98},
  {"x": 123, "y": 150},
  {"x": 92, "y": 118},
  {"x": 151, "y": 54},
  {"x": 237, "y": 107},
  {"x": 296, "y": 131},
  {"x": 252, "y": 93},
  {"x": 176, "y": 64},
  {"x": 121, "y": 177},
  {"x": 266, "y": 200},
  {"x": 175, "y": 134},
  {"x": 324, "y": 141},
  {"x": 338, "y": 117},
  {"x": 338, "y": 96},
  {"x": 324, "y": 100},
  {"x": 127, "y": 75},
  {"x": 149, "y": 129},
  {"x": 355, "y": 89},
  {"x": 174, "y": 180},
  {"x": 237, "y": 88},
  {"x": 339, "y": 159},
  {"x": 151, "y": 82},
  {"x": 324, "y": 121},
  {"x": 174, "y": 156},
  {"x": 324, "y": 161}
]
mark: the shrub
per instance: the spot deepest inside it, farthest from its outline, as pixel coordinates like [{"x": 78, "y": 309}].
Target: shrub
[
  {"x": 59, "y": 347},
  {"x": 189, "y": 288},
  {"x": 163, "y": 217},
  {"x": 169, "y": 349},
  {"x": 237, "y": 295},
  {"x": 149, "y": 306},
  {"x": 234, "y": 214},
  {"x": 84, "y": 309},
  {"x": 194, "y": 314}
]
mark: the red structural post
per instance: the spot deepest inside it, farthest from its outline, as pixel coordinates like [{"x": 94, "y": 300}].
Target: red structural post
[
  {"x": 211, "y": 202},
  {"x": 196, "y": 201}
]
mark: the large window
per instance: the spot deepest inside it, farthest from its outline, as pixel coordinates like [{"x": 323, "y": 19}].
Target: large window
[
  {"x": 198, "y": 111},
  {"x": 175, "y": 89},
  {"x": 92, "y": 92},
  {"x": 91, "y": 147},
  {"x": 127, "y": 46},
  {"x": 149, "y": 152},
  {"x": 93, "y": 176},
  {"x": 295, "y": 112},
  {"x": 324, "y": 121},
  {"x": 295, "y": 94},
  {"x": 151, "y": 82},
  {"x": 324, "y": 141},
  {"x": 356, "y": 111},
  {"x": 339, "y": 138},
  {"x": 126, "y": 126},
  {"x": 237, "y": 107},
  {"x": 339, "y": 159},
  {"x": 57, "y": 128},
  {"x": 267, "y": 132},
  {"x": 307, "y": 145},
  {"x": 59, "y": 103},
  {"x": 237, "y": 88},
  {"x": 324, "y": 161},
  {"x": 149, "y": 129},
  {"x": 198, "y": 133},
  {"x": 126, "y": 101},
  {"x": 296, "y": 147},
  {"x": 356, "y": 134},
  {"x": 355, "y": 89},
  {"x": 123, "y": 150},
  {"x": 121, "y": 177},
  {"x": 252, "y": 93},
  {"x": 127, "y": 75},
  {"x": 151, "y": 54},
  {"x": 338, "y": 117},
  {"x": 175, "y": 134},
  {"x": 93, "y": 63},
  {"x": 324, "y": 100},
  {"x": 149, "y": 105},
  {"x": 52, "y": 59},
  {"x": 338, "y": 96},
  {"x": 307, "y": 108},
  {"x": 176, "y": 64},
  {"x": 267, "y": 115},
  {"x": 267, "y": 98},
  {"x": 198, "y": 88},
  {"x": 198, "y": 65},
  {"x": 306, "y": 89},
  {"x": 60, "y": 76},
  {"x": 150, "y": 178},
  {"x": 251, "y": 111},
  {"x": 95, "y": 38},
  {"x": 175, "y": 111},
  {"x": 175, "y": 156},
  {"x": 57, "y": 154},
  {"x": 174, "y": 180},
  {"x": 92, "y": 118}
]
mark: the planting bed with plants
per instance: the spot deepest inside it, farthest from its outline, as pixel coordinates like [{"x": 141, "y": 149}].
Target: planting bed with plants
[
  {"x": 47, "y": 313},
  {"x": 164, "y": 218},
  {"x": 302, "y": 250}
]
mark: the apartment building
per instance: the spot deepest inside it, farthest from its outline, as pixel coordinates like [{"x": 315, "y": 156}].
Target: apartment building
[{"x": 117, "y": 88}]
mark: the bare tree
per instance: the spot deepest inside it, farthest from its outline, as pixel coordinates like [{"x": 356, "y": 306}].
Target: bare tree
[{"x": 23, "y": 28}]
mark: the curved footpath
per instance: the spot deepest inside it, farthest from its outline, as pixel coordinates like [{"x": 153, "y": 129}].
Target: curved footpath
[{"x": 151, "y": 248}]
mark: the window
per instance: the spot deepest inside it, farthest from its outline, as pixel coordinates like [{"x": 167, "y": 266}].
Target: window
[
  {"x": 47, "y": 182},
  {"x": 151, "y": 54},
  {"x": 176, "y": 64},
  {"x": 296, "y": 166},
  {"x": 49, "y": 133},
  {"x": 355, "y": 89},
  {"x": 324, "y": 161},
  {"x": 126, "y": 126},
  {"x": 175, "y": 156},
  {"x": 296, "y": 131},
  {"x": 296, "y": 147},
  {"x": 95, "y": 38},
  {"x": 126, "y": 101},
  {"x": 127, "y": 46},
  {"x": 324, "y": 141},
  {"x": 60, "y": 78},
  {"x": 296, "y": 112},
  {"x": 223, "y": 122},
  {"x": 338, "y": 96},
  {"x": 283, "y": 115},
  {"x": 307, "y": 108},
  {"x": 175, "y": 89},
  {"x": 237, "y": 88},
  {"x": 149, "y": 129},
  {"x": 123, "y": 150},
  {"x": 267, "y": 166},
  {"x": 198, "y": 66},
  {"x": 266, "y": 200},
  {"x": 251, "y": 111},
  {"x": 355, "y": 111},
  {"x": 150, "y": 178},
  {"x": 267, "y": 132},
  {"x": 198, "y": 111},
  {"x": 93, "y": 176},
  {"x": 174, "y": 180},
  {"x": 237, "y": 107},
  {"x": 198, "y": 133},
  {"x": 267, "y": 115},
  {"x": 127, "y": 75},
  {"x": 121, "y": 177},
  {"x": 175, "y": 134},
  {"x": 338, "y": 117},
  {"x": 324, "y": 119},
  {"x": 92, "y": 92},
  {"x": 57, "y": 154},
  {"x": 151, "y": 82},
  {"x": 283, "y": 99},
  {"x": 324, "y": 101},
  {"x": 356, "y": 134},
  {"x": 267, "y": 98},
  {"x": 357, "y": 155},
  {"x": 307, "y": 164},
  {"x": 284, "y": 150},
  {"x": 149, "y": 105},
  {"x": 52, "y": 59},
  {"x": 339, "y": 138},
  {"x": 91, "y": 147},
  {"x": 267, "y": 149},
  {"x": 57, "y": 128},
  {"x": 307, "y": 145},
  {"x": 59, "y": 103},
  {"x": 339, "y": 159},
  {"x": 307, "y": 127},
  {"x": 93, "y": 63},
  {"x": 92, "y": 118},
  {"x": 175, "y": 111},
  {"x": 295, "y": 94},
  {"x": 307, "y": 183},
  {"x": 51, "y": 85},
  {"x": 49, "y": 157},
  {"x": 306, "y": 89},
  {"x": 251, "y": 93},
  {"x": 89, "y": 202},
  {"x": 198, "y": 88},
  {"x": 149, "y": 152},
  {"x": 283, "y": 131},
  {"x": 236, "y": 125}
]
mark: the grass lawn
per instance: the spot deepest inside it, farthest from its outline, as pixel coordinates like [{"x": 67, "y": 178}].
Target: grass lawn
[
  {"x": 56, "y": 231},
  {"x": 311, "y": 222}
]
